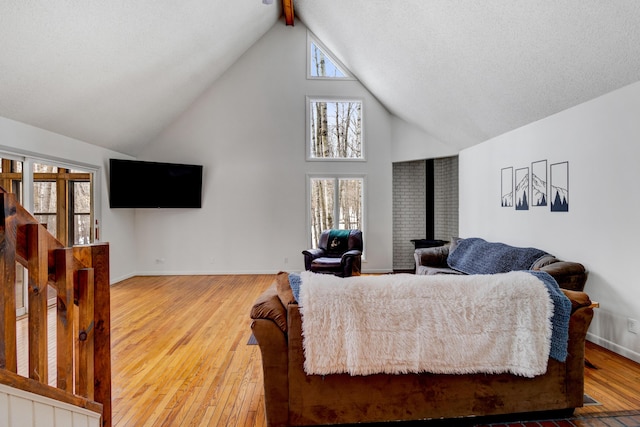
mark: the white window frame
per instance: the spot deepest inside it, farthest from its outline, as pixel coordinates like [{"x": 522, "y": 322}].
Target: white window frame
[
  {"x": 336, "y": 208},
  {"x": 28, "y": 159},
  {"x": 329, "y": 99},
  {"x": 312, "y": 39}
]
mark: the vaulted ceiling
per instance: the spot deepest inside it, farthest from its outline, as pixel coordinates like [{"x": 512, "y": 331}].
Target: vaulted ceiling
[{"x": 115, "y": 74}]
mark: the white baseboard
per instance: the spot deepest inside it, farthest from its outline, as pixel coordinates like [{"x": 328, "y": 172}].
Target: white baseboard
[{"x": 616, "y": 348}]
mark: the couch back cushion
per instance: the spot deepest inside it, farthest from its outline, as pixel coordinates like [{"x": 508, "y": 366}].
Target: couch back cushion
[{"x": 477, "y": 256}]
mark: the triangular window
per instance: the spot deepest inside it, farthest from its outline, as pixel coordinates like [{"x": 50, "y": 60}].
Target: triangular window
[{"x": 322, "y": 64}]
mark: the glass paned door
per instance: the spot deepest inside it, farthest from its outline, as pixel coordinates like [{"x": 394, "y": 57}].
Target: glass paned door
[
  {"x": 336, "y": 202},
  {"x": 81, "y": 202}
]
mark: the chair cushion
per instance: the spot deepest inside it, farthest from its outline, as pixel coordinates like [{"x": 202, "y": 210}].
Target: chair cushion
[{"x": 326, "y": 264}]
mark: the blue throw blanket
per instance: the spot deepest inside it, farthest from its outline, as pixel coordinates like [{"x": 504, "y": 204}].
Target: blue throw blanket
[
  {"x": 294, "y": 282},
  {"x": 477, "y": 256},
  {"x": 560, "y": 319}
]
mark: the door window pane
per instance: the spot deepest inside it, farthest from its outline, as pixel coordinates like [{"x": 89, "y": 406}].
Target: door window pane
[
  {"x": 350, "y": 198},
  {"x": 81, "y": 213},
  {"x": 322, "y": 196},
  {"x": 335, "y": 203}
]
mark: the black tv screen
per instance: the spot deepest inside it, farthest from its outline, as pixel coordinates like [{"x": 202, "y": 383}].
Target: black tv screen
[{"x": 139, "y": 184}]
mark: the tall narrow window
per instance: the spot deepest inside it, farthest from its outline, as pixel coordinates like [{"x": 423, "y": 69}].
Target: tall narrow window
[
  {"x": 62, "y": 202},
  {"x": 336, "y": 202},
  {"x": 45, "y": 197},
  {"x": 334, "y": 129},
  {"x": 81, "y": 213}
]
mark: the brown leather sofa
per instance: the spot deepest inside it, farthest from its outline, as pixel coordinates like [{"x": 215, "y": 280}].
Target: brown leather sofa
[
  {"x": 293, "y": 398},
  {"x": 569, "y": 275}
]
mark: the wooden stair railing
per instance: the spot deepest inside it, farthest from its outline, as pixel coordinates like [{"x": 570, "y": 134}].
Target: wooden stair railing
[{"x": 80, "y": 275}]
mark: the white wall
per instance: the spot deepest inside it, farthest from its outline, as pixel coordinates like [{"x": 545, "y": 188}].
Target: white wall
[
  {"x": 21, "y": 408},
  {"x": 412, "y": 143},
  {"x": 116, "y": 226},
  {"x": 248, "y": 130},
  {"x": 599, "y": 139}
]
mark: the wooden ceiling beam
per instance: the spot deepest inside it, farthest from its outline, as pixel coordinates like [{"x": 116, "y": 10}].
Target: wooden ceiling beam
[{"x": 287, "y": 8}]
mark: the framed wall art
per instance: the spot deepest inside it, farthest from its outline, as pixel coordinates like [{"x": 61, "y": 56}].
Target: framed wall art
[
  {"x": 539, "y": 183},
  {"x": 559, "y": 195},
  {"x": 522, "y": 189}
]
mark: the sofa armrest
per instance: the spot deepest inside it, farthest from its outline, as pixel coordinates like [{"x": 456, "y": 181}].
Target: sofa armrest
[
  {"x": 352, "y": 253},
  {"x": 314, "y": 253},
  {"x": 569, "y": 275},
  {"x": 578, "y": 326},
  {"x": 578, "y": 299},
  {"x": 432, "y": 257},
  {"x": 310, "y": 255},
  {"x": 269, "y": 307}
]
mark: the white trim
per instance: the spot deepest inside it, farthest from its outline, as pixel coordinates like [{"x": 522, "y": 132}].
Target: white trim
[
  {"x": 60, "y": 162},
  {"x": 48, "y": 401},
  {"x": 616, "y": 348},
  {"x": 308, "y": 100},
  {"x": 28, "y": 158},
  {"x": 311, "y": 38}
]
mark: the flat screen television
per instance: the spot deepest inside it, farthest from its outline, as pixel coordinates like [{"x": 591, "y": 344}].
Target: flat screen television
[{"x": 140, "y": 184}]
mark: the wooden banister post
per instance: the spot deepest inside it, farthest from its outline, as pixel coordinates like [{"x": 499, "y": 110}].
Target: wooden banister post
[
  {"x": 37, "y": 263},
  {"x": 85, "y": 376},
  {"x": 65, "y": 318},
  {"x": 97, "y": 256},
  {"x": 8, "y": 352}
]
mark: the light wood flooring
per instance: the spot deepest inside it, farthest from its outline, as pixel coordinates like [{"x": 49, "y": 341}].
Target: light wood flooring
[{"x": 179, "y": 351}]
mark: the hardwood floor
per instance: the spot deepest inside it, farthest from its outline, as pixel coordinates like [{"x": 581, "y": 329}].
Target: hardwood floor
[{"x": 180, "y": 355}]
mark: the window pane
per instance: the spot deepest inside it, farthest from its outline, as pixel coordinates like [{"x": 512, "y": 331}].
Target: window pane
[
  {"x": 20, "y": 288},
  {"x": 45, "y": 200},
  {"x": 44, "y": 197},
  {"x": 48, "y": 221},
  {"x": 81, "y": 197},
  {"x": 322, "y": 195},
  {"x": 11, "y": 177},
  {"x": 350, "y": 204},
  {"x": 40, "y": 168},
  {"x": 336, "y": 129},
  {"x": 322, "y": 65},
  {"x": 81, "y": 229}
]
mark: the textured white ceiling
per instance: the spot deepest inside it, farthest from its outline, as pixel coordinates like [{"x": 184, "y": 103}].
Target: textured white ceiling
[
  {"x": 114, "y": 73},
  {"x": 469, "y": 70}
]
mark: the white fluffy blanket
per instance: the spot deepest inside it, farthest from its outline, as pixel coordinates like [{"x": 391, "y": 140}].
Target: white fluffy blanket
[{"x": 441, "y": 324}]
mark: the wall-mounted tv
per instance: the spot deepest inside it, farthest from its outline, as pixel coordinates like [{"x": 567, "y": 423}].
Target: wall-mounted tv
[{"x": 139, "y": 184}]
